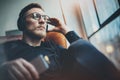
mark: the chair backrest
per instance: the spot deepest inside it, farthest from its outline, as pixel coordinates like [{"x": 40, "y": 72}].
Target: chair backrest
[{"x": 56, "y": 37}]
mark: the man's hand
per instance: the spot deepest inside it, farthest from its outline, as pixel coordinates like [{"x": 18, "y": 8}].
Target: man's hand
[
  {"x": 59, "y": 26},
  {"x": 20, "y": 69}
]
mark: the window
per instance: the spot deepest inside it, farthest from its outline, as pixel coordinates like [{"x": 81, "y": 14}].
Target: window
[{"x": 102, "y": 24}]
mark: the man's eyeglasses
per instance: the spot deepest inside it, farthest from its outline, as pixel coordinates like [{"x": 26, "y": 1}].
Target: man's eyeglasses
[{"x": 38, "y": 16}]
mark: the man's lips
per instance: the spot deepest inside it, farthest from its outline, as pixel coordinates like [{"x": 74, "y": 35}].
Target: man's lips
[{"x": 40, "y": 28}]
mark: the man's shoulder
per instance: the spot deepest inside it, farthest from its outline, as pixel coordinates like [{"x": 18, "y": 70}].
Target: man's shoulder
[
  {"x": 7, "y": 46},
  {"x": 10, "y": 43}
]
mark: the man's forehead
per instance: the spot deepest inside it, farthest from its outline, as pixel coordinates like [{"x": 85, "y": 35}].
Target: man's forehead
[{"x": 38, "y": 10}]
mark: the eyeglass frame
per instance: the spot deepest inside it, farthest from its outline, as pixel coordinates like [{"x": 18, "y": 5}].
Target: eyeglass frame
[{"x": 33, "y": 15}]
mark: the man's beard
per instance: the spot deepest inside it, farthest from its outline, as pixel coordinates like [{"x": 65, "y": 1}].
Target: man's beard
[{"x": 35, "y": 36}]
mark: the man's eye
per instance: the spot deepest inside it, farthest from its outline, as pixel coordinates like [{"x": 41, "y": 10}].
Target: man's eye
[{"x": 36, "y": 16}]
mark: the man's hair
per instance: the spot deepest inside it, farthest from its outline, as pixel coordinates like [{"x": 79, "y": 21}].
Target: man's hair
[{"x": 21, "y": 20}]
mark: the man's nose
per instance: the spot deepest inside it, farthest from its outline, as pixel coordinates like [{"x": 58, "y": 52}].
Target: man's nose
[{"x": 41, "y": 20}]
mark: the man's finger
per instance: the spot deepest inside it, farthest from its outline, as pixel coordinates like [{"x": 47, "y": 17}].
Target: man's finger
[
  {"x": 14, "y": 73},
  {"x": 31, "y": 69},
  {"x": 23, "y": 70}
]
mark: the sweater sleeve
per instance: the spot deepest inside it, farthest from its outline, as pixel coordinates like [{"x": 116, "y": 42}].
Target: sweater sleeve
[{"x": 72, "y": 36}]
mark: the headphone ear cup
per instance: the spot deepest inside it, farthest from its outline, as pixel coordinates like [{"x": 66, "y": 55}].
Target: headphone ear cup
[{"x": 21, "y": 24}]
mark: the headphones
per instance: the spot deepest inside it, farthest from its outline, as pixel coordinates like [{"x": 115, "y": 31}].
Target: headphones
[{"x": 21, "y": 23}]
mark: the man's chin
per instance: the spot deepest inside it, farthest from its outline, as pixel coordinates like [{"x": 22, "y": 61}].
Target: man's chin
[
  {"x": 40, "y": 35},
  {"x": 37, "y": 35}
]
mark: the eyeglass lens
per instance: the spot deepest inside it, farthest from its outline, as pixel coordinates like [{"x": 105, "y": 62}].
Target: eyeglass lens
[{"x": 38, "y": 16}]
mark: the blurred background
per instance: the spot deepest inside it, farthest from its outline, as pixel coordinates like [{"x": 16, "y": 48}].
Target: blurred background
[{"x": 97, "y": 21}]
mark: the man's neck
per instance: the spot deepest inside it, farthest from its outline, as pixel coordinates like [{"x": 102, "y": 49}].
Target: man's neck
[{"x": 32, "y": 42}]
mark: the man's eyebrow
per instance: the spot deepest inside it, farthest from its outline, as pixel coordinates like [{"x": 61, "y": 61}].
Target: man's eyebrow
[{"x": 36, "y": 12}]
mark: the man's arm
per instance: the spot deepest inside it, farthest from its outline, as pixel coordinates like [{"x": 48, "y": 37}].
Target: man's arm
[
  {"x": 72, "y": 36},
  {"x": 64, "y": 29}
]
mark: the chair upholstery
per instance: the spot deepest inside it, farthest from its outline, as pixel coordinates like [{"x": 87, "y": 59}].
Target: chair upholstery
[
  {"x": 56, "y": 37},
  {"x": 4, "y": 39}
]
